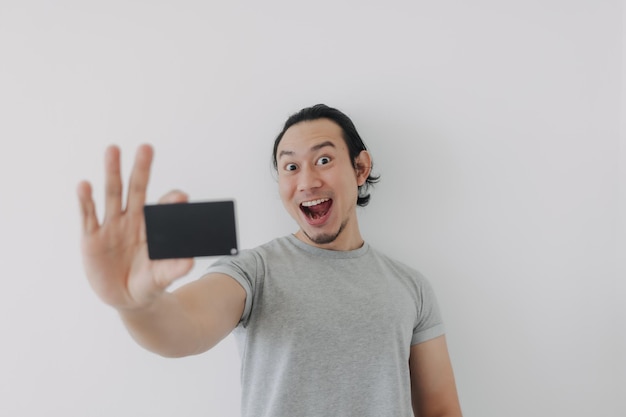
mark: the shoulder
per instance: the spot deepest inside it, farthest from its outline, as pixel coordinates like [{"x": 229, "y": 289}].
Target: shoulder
[
  {"x": 407, "y": 276},
  {"x": 255, "y": 256},
  {"x": 396, "y": 266}
]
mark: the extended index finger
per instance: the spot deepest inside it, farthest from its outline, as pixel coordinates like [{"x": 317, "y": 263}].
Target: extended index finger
[
  {"x": 113, "y": 184},
  {"x": 139, "y": 179}
]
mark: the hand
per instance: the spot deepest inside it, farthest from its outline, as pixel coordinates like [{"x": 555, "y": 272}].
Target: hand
[{"x": 115, "y": 253}]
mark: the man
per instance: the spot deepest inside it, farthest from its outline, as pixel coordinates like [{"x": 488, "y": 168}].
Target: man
[{"x": 327, "y": 325}]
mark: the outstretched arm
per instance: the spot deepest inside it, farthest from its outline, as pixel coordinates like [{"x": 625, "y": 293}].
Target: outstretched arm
[{"x": 115, "y": 256}]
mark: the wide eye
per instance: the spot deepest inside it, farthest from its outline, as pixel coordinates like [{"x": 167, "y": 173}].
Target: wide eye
[
  {"x": 291, "y": 167},
  {"x": 323, "y": 160}
]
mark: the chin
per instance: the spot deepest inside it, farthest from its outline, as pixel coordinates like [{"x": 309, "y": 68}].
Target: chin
[{"x": 323, "y": 238}]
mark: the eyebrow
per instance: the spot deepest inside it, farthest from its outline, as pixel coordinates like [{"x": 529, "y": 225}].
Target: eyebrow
[{"x": 313, "y": 149}]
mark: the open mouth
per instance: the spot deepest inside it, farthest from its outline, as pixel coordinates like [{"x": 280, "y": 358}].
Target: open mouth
[{"x": 316, "y": 209}]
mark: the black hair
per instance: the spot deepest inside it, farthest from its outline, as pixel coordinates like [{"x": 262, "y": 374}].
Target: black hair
[{"x": 350, "y": 136}]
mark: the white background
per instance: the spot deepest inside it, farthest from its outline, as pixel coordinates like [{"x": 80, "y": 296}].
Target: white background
[{"x": 495, "y": 126}]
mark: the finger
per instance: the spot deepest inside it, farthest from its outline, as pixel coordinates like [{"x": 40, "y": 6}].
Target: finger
[
  {"x": 139, "y": 179},
  {"x": 87, "y": 207},
  {"x": 113, "y": 183},
  {"x": 174, "y": 196}
]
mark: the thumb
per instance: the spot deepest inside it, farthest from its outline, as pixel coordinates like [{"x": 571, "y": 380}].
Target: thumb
[
  {"x": 174, "y": 196},
  {"x": 166, "y": 271}
]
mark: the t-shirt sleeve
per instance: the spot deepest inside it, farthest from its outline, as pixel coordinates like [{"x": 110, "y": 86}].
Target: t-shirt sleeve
[
  {"x": 243, "y": 268},
  {"x": 429, "y": 323}
]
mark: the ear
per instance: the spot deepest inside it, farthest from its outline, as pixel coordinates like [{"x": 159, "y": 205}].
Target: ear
[{"x": 363, "y": 167}]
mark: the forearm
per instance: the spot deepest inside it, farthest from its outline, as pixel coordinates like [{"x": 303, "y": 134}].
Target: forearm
[
  {"x": 191, "y": 320},
  {"x": 165, "y": 328}
]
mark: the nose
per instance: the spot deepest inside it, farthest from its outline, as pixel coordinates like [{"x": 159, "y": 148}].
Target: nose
[{"x": 308, "y": 179}]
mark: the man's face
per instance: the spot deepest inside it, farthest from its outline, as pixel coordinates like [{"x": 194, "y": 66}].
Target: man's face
[{"x": 318, "y": 183}]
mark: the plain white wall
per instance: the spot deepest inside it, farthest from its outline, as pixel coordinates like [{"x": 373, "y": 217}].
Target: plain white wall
[
  {"x": 495, "y": 126},
  {"x": 621, "y": 248}
]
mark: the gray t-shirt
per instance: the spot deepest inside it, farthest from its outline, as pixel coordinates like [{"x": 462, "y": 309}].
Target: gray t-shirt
[{"x": 328, "y": 333}]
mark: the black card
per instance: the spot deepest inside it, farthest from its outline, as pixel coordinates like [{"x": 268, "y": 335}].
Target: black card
[{"x": 187, "y": 230}]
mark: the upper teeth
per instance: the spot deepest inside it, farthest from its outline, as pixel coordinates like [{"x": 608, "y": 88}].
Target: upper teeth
[{"x": 314, "y": 202}]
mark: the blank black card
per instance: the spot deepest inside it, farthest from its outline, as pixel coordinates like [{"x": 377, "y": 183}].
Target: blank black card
[{"x": 187, "y": 230}]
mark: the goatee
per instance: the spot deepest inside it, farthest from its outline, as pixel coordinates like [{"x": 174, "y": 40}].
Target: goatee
[{"x": 324, "y": 239}]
